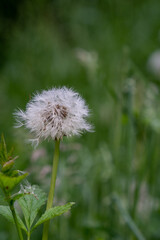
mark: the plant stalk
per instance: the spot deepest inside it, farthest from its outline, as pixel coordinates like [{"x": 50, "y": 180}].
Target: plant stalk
[
  {"x": 29, "y": 235},
  {"x": 52, "y": 187},
  {"x": 15, "y": 220}
]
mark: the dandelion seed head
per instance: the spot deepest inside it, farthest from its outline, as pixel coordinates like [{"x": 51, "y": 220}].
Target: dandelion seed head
[{"x": 54, "y": 114}]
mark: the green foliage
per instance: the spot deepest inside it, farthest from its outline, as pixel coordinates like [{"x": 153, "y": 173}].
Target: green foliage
[
  {"x": 6, "y": 159},
  {"x": 9, "y": 178},
  {"x": 6, "y": 212},
  {"x": 8, "y": 183},
  {"x": 3, "y": 151},
  {"x": 123, "y": 153},
  {"x": 17, "y": 196},
  {"x": 53, "y": 212},
  {"x": 131, "y": 224},
  {"x": 7, "y": 166},
  {"x": 31, "y": 204}
]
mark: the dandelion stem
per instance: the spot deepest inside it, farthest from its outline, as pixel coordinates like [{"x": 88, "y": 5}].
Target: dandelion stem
[
  {"x": 29, "y": 236},
  {"x": 52, "y": 187},
  {"x": 15, "y": 220}
]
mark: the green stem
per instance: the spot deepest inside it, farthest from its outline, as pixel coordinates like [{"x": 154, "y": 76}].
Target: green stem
[
  {"x": 29, "y": 235},
  {"x": 16, "y": 221},
  {"x": 52, "y": 187}
]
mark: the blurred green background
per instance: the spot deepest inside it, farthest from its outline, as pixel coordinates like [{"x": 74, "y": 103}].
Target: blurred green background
[{"x": 107, "y": 50}]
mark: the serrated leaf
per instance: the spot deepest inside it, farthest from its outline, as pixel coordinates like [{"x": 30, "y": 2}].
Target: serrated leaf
[
  {"x": 53, "y": 212},
  {"x": 8, "y": 183},
  {"x": 6, "y": 212},
  {"x": 30, "y": 205}
]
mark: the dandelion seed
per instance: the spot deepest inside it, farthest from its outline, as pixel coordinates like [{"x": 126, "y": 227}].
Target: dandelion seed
[{"x": 54, "y": 114}]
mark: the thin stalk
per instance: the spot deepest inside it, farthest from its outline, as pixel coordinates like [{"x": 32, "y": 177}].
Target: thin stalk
[
  {"x": 29, "y": 235},
  {"x": 52, "y": 187},
  {"x": 15, "y": 220}
]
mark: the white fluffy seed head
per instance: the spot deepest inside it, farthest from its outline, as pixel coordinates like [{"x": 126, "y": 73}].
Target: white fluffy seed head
[{"x": 53, "y": 114}]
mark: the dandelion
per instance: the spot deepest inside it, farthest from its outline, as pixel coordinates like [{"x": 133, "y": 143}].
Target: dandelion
[{"x": 54, "y": 114}]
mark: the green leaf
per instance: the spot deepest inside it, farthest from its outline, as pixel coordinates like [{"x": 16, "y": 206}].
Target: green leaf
[
  {"x": 7, "y": 166},
  {"x": 3, "y": 151},
  {"x": 18, "y": 196},
  {"x": 14, "y": 173},
  {"x": 30, "y": 204},
  {"x": 6, "y": 212},
  {"x": 53, "y": 212},
  {"x": 6, "y": 159},
  {"x": 8, "y": 183},
  {"x": 10, "y": 153}
]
